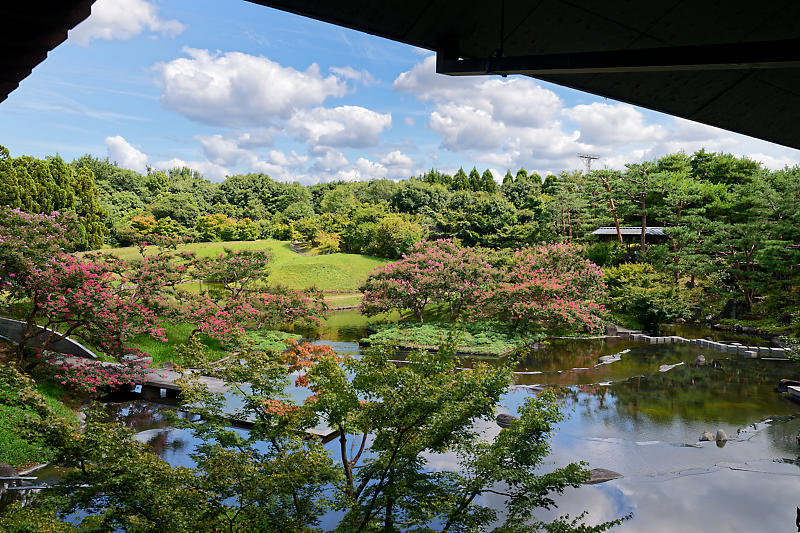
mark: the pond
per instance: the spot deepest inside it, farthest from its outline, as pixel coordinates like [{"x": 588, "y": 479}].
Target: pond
[{"x": 638, "y": 409}]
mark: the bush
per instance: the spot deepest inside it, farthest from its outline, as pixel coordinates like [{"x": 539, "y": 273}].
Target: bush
[
  {"x": 605, "y": 254},
  {"x": 642, "y": 297}
]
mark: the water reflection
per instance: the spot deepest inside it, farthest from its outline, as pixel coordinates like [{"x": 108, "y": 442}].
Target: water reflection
[{"x": 638, "y": 409}]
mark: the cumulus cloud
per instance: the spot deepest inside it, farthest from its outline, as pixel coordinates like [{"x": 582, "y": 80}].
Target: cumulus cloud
[
  {"x": 123, "y": 19},
  {"x": 399, "y": 165},
  {"x": 208, "y": 169},
  {"x": 611, "y": 124},
  {"x": 235, "y": 89},
  {"x": 517, "y": 122},
  {"x": 343, "y": 126},
  {"x": 125, "y": 154}
]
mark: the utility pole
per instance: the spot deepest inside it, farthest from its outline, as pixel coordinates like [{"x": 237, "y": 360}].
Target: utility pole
[{"x": 587, "y": 159}]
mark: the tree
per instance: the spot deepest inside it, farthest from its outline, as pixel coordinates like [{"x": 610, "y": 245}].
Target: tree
[
  {"x": 340, "y": 201},
  {"x": 47, "y": 185},
  {"x": 460, "y": 181},
  {"x": 487, "y": 182},
  {"x": 546, "y": 287},
  {"x": 392, "y": 420},
  {"x": 438, "y": 271},
  {"x": 67, "y": 294}
]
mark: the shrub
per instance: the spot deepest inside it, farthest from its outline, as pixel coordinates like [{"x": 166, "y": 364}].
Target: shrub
[{"x": 643, "y": 297}]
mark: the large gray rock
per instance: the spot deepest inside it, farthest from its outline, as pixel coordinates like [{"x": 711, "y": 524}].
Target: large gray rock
[
  {"x": 504, "y": 420},
  {"x": 6, "y": 470},
  {"x": 601, "y": 475},
  {"x": 721, "y": 436},
  {"x": 707, "y": 436},
  {"x": 701, "y": 360},
  {"x": 612, "y": 330}
]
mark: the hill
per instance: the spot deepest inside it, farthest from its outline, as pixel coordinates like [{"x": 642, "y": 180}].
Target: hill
[{"x": 333, "y": 272}]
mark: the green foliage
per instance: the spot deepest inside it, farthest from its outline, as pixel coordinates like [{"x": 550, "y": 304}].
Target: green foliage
[
  {"x": 605, "y": 254},
  {"x": 393, "y": 422},
  {"x": 477, "y": 338},
  {"x": 47, "y": 185},
  {"x": 275, "y": 341},
  {"x": 20, "y": 402},
  {"x": 640, "y": 296}
]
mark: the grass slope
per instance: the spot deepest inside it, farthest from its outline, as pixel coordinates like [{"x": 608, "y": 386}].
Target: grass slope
[{"x": 333, "y": 272}]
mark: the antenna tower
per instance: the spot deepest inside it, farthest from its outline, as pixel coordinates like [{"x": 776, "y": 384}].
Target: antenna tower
[{"x": 587, "y": 159}]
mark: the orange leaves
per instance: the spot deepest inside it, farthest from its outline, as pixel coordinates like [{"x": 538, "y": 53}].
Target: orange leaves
[{"x": 306, "y": 355}]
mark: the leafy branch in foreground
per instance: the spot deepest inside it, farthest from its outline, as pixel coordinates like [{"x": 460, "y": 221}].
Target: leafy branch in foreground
[{"x": 410, "y": 451}]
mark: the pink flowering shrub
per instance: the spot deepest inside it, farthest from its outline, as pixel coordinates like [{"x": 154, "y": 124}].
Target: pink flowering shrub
[
  {"x": 92, "y": 376},
  {"x": 547, "y": 287},
  {"x": 431, "y": 272}
]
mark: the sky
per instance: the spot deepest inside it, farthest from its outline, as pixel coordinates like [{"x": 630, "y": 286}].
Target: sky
[{"x": 227, "y": 87}]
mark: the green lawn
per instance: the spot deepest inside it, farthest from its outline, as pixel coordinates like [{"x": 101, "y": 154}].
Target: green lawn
[
  {"x": 178, "y": 334},
  {"x": 472, "y": 338},
  {"x": 334, "y": 272}
]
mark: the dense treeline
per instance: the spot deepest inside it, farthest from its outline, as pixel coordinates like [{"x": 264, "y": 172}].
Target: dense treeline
[{"x": 732, "y": 226}]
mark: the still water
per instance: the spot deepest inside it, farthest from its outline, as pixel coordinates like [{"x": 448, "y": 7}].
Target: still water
[{"x": 638, "y": 409}]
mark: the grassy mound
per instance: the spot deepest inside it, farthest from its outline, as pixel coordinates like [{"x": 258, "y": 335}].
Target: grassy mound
[
  {"x": 473, "y": 338},
  {"x": 333, "y": 272}
]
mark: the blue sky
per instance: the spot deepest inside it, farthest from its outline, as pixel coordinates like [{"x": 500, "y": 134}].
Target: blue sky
[{"x": 229, "y": 86}]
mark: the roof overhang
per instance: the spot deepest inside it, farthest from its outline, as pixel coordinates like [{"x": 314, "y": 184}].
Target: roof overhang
[
  {"x": 31, "y": 28},
  {"x": 733, "y": 64}
]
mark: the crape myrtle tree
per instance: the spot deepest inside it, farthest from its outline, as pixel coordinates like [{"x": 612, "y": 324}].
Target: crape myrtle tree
[
  {"x": 106, "y": 301},
  {"x": 542, "y": 287},
  {"x": 432, "y": 272},
  {"x": 238, "y": 295},
  {"x": 393, "y": 423},
  {"x": 48, "y": 286},
  {"x": 546, "y": 287}
]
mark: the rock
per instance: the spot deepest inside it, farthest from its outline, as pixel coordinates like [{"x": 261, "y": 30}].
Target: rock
[
  {"x": 168, "y": 365},
  {"x": 735, "y": 309},
  {"x": 612, "y": 330},
  {"x": 784, "y": 384},
  {"x": 701, "y": 360},
  {"x": 504, "y": 420},
  {"x": 707, "y": 436},
  {"x": 709, "y": 318},
  {"x": 721, "y": 436},
  {"x": 6, "y": 470},
  {"x": 775, "y": 342},
  {"x": 601, "y": 475}
]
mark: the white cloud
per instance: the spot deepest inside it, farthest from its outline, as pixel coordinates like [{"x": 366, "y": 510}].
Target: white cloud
[
  {"x": 604, "y": 124},
  {"x": 330, "y": 162},
  {"x": 125, "y": 154},
  {"x": 517, "y": 122},
  {"x": 123, "y": 19},
  {"x": 360, "y": 76},
  {"x": 237, "y": 89},
  {"x": 350, "y": 126},
  {"x": 293, "y": 160},
  {"x": 208, "y": 169},
  {"x": 398, "y": 165},
  {"x": 223, "y": 151}
]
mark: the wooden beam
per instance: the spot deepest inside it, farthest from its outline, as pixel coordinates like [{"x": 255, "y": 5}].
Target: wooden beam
[{"x": 735, "y": 56}]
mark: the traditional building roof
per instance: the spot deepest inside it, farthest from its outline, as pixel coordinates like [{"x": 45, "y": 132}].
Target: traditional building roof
[{"x": 657, "y": 231}]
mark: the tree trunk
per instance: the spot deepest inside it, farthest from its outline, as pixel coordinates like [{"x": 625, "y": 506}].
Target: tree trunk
[{"x": 644, "y": 228}]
